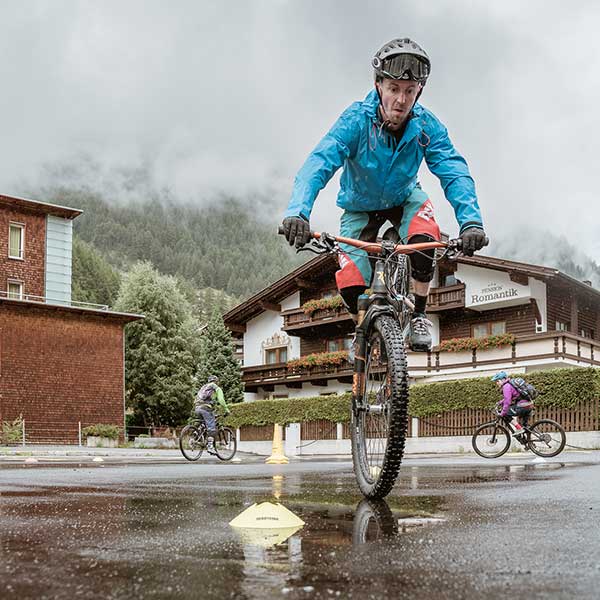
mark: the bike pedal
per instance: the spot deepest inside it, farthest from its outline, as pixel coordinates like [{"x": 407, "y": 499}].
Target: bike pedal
[{"x": 419, "y": 348}]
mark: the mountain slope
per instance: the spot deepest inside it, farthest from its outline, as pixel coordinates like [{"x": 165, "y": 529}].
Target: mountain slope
[{"x": 222, "y": 246}]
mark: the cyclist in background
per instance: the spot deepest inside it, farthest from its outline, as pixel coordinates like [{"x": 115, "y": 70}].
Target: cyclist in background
[
  {"x": 210, "y": 397},
  {"x": 513, "y": 405},
  {"x": 380, "y": 143}
]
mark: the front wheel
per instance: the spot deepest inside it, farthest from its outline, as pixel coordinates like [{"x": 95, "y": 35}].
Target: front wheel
[
  {"x": 491, "y": 440},
  {"x": 379, "y": 421},
  {"x": 225, "y": 444},
  {"x": 191, "y": 442},
  {"x": 546, "y": 438}
]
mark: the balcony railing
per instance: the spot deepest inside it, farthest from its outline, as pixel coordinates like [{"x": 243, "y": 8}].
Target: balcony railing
[
  {"x": 281, "y": 373},
  {"x": 446, "y": 298},
  {"x": 553, "y": 348},
  {"x": 540, "y": 350},
  {"x": 52, "y": 301},
  {"x": 296, "y": 320}
]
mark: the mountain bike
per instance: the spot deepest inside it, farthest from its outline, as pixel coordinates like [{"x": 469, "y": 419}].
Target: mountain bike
[
  {"x": 379, "y": 417},
  {"x": 545, "y": 438},
  {"x": 193, "y": 441}
]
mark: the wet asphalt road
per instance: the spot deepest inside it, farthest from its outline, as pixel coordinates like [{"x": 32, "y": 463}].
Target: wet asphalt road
[{"x": 452, "y": 528}]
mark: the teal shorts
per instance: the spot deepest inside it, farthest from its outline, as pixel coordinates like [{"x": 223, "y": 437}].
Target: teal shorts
[{"x": 414, "y": 216}]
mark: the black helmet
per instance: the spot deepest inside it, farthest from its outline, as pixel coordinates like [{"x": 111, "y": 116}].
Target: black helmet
[
  {"x": 402, "y": 59},
  {"x": 212, "y": 378}
]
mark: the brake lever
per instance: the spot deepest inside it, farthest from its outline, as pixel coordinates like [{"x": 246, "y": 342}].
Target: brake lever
[{"x": 311, "y": 249}]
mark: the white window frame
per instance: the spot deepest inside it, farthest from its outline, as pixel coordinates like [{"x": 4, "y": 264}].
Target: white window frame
[
  {"x": 8, "y": 292},
  {"x": 20, "y": 226}
]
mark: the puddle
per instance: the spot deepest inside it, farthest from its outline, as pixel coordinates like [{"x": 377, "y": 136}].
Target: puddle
[{"x": 161, "y": 538}]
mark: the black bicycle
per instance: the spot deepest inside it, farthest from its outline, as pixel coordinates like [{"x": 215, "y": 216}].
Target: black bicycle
[
  {"x": 193, "y": 441},
  {"x": 379, "y": 418},
  {"x": 545, "y": 438}
]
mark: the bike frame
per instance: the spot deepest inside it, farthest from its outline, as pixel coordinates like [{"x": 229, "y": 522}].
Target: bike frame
[{"x": 377, "y": 303}]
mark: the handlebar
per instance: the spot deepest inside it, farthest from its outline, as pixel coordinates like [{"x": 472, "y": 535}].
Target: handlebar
[{"x": 376, "y": 248}]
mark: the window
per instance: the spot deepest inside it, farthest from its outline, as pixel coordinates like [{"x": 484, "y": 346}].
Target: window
[
  {"x": 16, "y": 234},
  {"x": 338, "y": 344},
  {"x": 587, "y": 333},
  {"x": 15, "y": 290},
  {"x": 481, "y": 330},
  {"x": 276, "y": 355},
  {"x": 447, "y": 280},
  {"x": 328, "y": 294},
  {"x": 562, "y": 326}
]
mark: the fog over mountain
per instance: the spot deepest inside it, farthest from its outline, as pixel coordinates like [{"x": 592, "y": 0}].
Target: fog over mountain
[{"x": 196, "y": 99}]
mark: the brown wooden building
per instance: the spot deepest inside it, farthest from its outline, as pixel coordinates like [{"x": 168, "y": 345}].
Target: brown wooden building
[
  {"x": 61, "y": 362},
  {"x": 554, "y": 318}
]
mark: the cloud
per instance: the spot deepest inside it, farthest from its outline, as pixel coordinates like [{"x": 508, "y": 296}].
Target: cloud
[{"x": 206, "y": 97}]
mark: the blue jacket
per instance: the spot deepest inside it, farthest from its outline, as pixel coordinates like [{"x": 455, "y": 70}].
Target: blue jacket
[{"x": 377, "y": 176}]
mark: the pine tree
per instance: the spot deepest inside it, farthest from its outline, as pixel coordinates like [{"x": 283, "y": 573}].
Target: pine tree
[
  {"x": 161, "y": 350},
  {"x": 94, "y": 280},
  {"x": 217, "y": 357}
]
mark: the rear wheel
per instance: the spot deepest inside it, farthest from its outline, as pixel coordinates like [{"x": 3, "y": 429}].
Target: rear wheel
[
  {"x": 225, "y": 443},
  {"x": 546, "y": 438},
  {"x": 491, "y": 440},
  {"x": 379, "y": 426},
  {"x": 192, "y": 442}
]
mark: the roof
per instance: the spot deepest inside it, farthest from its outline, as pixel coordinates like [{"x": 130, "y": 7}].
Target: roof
[
  {"x": 110, "y": 315},
  {"x": 50, "y": 209},
  {"x": 500, "y": 264},
  {"x": 281, "y": 289},
  {"x": 288, "y": 284}
]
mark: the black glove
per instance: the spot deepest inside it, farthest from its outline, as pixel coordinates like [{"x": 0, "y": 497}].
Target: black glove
[
  {"x": 296, "y": 230},
  {"x": 473, "y": 239}
]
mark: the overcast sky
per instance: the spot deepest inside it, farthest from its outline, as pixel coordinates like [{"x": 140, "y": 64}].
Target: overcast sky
[{"x": 230, "y": 96}]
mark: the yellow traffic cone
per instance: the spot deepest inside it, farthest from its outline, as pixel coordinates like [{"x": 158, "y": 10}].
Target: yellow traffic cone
[{"x": 278, "y": 457}]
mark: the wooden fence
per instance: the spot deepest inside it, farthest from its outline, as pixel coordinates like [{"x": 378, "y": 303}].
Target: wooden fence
[{"x": 583, "y": 417}]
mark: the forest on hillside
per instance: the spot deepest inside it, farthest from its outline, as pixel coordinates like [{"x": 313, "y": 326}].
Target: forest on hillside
[{"x": 221, "y": 247}]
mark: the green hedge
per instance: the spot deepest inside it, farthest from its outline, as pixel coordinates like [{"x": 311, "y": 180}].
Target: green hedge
[
  {"x": 558, "y": 387},
  {"x": 291, "y": 410}
]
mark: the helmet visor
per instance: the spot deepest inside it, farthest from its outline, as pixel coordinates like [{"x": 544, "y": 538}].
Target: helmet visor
[{"x": 405, "y": 66}]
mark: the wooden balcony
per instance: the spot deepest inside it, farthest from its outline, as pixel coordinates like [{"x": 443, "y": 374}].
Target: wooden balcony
[
  {"x": 267, "y": 376},
  {"x": 325, "y": 323},
  {"x": 446, "y": 298},
  {"x": 328, "y": 322},
  {"x": 535, "y": 351}
]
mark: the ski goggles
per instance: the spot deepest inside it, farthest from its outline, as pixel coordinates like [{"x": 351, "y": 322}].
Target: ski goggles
[{"x": 402, "y": 66}]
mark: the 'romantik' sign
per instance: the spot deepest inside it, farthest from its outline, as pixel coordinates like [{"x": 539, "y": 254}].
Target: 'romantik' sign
[
  {"x": 495, "y": 294},
  {"x": 492, "y": 293}
]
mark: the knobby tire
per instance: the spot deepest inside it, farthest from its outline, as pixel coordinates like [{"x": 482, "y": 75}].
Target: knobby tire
[{"x": 376, "y": 480}]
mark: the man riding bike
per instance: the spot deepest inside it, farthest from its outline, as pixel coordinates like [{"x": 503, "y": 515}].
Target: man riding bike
[
  {"x": 380, "y": 143},
  {"x": 204, "y": 407}
]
